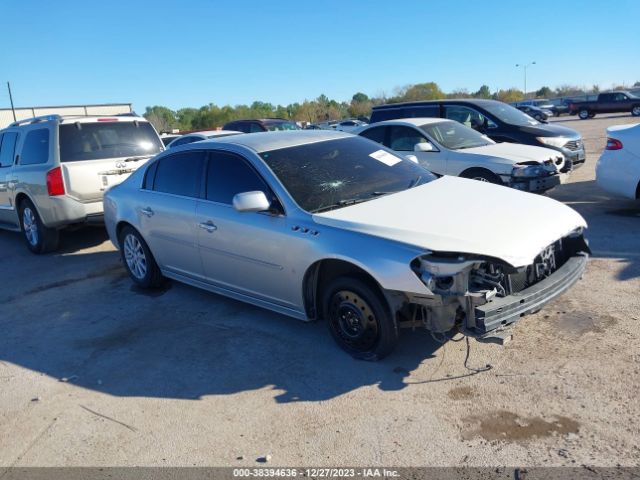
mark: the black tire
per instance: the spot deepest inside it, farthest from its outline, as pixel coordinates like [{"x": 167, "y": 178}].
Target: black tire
[
  {"x": 583, "y": 114},
  {"x": 482, "y": 175},
  {"x": 138, "y": 259},
  {"x": 39, "y": 239},
  {"x": 359, "y": 319},
  {"x": 538, "y": 117},
  {"x": 591, "y": 115},
  {"x": 635, "y": 110}
]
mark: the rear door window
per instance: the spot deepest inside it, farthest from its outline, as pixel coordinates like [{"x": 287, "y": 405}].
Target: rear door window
[
  {"x": 36, "y": 147},
  {"x": 112, "y": 139},
  {"x": 376, "y": 134},
  {"x": 404, "y": 139},
  {"x": 8, "y": 148},
  {"x": 180, "y": 174}
]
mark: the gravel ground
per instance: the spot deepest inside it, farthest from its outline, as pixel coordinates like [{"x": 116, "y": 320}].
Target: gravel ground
[{"x": 94, "y": 372}]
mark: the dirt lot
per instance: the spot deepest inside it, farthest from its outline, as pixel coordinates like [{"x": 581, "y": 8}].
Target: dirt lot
[{"x": 94, "y": 372}]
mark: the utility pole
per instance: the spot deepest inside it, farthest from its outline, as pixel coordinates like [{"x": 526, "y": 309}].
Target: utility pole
[
  {"x": 525, "y": 74},
  {"x": 13, "y": 110}
]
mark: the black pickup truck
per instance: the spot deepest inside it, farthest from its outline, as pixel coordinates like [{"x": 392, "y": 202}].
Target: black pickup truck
[{"x": 610, "y": 102}]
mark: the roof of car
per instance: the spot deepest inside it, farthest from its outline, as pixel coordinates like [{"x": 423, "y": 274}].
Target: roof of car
[
  {"x": 208, "y": 133},
  {"x": 417, "y": 121},
  {"x": 266, "y": 141},
  {"x": 262, "y": 120},
  {"x": 474, "y": 101}
]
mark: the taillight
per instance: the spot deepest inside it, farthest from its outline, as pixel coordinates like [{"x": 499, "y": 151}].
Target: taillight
[
  {"x": 55, "y": 185},
  {"x": 613, "y": 144}
]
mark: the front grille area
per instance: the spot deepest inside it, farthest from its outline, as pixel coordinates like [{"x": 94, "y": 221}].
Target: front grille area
[
  {"x": 573, "y": 145},
  {"x": 506, "y": 282}
]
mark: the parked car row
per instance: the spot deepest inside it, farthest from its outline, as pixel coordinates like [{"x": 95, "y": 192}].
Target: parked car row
[
  {"x": 497, "y": 120},
  {"x": 318, "y": 224}
]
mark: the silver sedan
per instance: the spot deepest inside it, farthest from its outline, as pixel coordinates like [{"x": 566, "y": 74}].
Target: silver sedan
[{"x": 320, "y": 224}]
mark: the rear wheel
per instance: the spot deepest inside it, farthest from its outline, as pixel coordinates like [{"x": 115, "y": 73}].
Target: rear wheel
[
  {"x": 481, "y": 175},
  {"x": 635, "y": 111},
  {"x": 39, "y": 238},
  {"x": 138, "y": 260},
  {"x": 583, "y": 114},
  {"x": 359, "y": 318}
]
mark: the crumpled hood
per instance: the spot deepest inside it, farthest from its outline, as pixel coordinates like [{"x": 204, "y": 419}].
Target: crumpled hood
[
  {"x": 516, "y": 152},
  {"x": 455, "y": 214}
]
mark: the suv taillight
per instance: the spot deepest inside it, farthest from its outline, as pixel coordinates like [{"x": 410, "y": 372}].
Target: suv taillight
[
  {"x": 613, "y": 144},
  {"x": 55, "y": 185}
]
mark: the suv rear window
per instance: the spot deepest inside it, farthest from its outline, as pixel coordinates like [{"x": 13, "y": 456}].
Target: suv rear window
[{"x": 95, "y": 141}]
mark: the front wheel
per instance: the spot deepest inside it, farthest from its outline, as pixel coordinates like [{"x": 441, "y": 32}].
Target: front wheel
[
  {"x": 359, "y": 319},
  {"x": 635, "y": 111},
  {"x": 138, "y": 260},
  {"x": 39, "y": 238},
  {"x": 583, "y": 114}
]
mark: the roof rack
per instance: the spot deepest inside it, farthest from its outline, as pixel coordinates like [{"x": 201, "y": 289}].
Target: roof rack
[{"x": 43, "y": 118}]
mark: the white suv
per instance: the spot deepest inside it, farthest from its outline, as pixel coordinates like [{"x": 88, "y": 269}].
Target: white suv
[{"x": 54, "y": 170}]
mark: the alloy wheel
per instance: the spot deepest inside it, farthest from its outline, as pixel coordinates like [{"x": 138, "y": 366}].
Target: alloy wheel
[
  {"x": 135, "y": 257},
  {"x": 30, "y": 226}
]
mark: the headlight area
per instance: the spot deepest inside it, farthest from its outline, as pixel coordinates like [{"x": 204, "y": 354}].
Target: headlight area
[
  {"x": 477, "y": 295},
  {"x": 534, "y": 177},
  {"x": 449, "y": 279}
]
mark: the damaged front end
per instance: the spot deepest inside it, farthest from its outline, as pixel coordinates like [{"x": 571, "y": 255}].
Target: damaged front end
[{"x": 477, "y": 295}]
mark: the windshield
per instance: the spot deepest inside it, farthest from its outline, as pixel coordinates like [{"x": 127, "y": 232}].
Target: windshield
[
  {"x": 272, "y": 127},
  {"x": 509, "y": 114},
  {"x": 95, "y": 141},
  {"x": 335, "y": 173},
  {"x": 455, "y": 136}
]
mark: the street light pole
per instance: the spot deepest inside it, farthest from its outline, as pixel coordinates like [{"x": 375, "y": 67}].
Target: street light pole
[{"x": 524, "y": 67}]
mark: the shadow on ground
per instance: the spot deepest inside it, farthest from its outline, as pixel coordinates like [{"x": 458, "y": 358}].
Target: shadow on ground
[{"x": 75, "y": 316}]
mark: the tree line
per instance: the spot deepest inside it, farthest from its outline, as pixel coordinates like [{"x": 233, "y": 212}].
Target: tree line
[{"x": 323, "y": 109}]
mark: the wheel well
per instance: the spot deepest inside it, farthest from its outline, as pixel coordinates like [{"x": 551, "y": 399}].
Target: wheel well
[
  {"x": 20, "y": 198},
  {"x": 468, "y": 173},
  {"x": 120, "y": 226},
  {"x": 324, "y": 271}
]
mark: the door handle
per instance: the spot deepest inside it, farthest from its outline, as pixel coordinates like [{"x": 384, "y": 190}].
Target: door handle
[
  {"x": 147, "y": 211},
  {"x": 208, "y": 226}
]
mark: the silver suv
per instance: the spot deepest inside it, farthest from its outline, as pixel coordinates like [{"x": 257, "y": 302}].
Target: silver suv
[{"x": 55, "y": 169}]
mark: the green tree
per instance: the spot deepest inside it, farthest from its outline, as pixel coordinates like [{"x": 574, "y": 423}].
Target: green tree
[
  {"x": 544, "y": 92},
  {"x": 508, "y": 96},
  {"x": 637, "y": 84},
  {"x": 162, "y": 118},
  {"x": 422, "y": 91},
  {"x": 359, "y": 98},
  {"x": 483, "y": 92}
]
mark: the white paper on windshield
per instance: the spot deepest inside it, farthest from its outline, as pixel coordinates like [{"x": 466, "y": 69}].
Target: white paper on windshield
[{"x": 385, "y": 157}]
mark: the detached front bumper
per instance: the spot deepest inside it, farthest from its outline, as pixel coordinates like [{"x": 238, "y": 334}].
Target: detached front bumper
[
  {"x": 503, "y": 311},
  {"x": 535, "y": 184}
]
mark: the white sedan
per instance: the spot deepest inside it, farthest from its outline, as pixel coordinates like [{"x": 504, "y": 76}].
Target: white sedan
[
  {"x": 618, "y": 169},
  {"x": 446, "y": 147}
]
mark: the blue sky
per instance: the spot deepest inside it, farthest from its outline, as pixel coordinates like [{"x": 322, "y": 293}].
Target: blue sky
[{"x": 191, "y": 53}]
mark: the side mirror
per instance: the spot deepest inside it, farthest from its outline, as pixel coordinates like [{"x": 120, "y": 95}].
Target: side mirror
[
  {"x": 423, "y": 147},
  {"x": 251, "y": 202}
]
